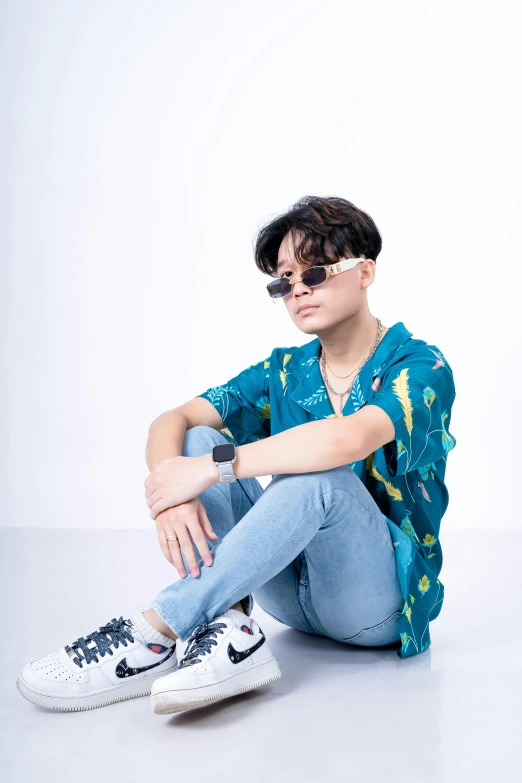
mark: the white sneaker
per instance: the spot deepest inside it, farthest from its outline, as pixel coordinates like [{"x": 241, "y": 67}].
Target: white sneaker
[
  {"x": 220, "y": 660},
  {"x": 89, "y": 673}
]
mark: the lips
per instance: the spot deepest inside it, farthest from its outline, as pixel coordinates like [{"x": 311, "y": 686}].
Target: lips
[{"x": 307, "y": 307}]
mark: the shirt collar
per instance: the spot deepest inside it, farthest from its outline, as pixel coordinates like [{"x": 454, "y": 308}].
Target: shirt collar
[{"x": 310, "y": 392}]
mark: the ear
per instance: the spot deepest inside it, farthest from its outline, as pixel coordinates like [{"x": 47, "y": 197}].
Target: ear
[{"x": 368, "y": 273}]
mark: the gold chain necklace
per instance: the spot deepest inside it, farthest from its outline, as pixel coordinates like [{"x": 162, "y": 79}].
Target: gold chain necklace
[
  {"x": 341, "y": 376},
  {"x": 348, "y": 391}
]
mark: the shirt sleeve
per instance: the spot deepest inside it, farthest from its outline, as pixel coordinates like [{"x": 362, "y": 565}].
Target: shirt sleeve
[
  {"x": 417, "y": 393},
  {"x": 243, "y": 403}
]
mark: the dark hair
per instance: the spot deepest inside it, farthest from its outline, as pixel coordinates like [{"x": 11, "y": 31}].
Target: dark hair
[{"x": 332, "y": 227}]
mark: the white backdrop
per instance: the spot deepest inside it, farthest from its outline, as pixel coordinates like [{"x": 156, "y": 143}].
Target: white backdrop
[{"x": 143, "y": 144}]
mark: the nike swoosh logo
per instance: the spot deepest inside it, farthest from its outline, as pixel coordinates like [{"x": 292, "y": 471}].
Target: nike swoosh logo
[
  {"x": 122, "y": 670},
  {"x": 236, "y": 656}
]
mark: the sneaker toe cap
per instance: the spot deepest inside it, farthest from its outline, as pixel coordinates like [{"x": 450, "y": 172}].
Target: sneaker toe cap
[{"x": 49, "y": 671}]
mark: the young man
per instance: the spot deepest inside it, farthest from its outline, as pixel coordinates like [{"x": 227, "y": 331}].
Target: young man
[{"x": 344, "y": 541}]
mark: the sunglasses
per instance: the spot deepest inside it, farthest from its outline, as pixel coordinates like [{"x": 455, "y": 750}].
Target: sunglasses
[{"x": 311, "y": 277}]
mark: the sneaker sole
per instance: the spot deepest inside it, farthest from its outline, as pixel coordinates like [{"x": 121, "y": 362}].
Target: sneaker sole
[
  {"x": 129, "y": 690},
  {"x": 166, "y": 702}
]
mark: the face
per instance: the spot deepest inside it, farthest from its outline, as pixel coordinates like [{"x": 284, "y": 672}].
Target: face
[{"x": 336, "y": 300}]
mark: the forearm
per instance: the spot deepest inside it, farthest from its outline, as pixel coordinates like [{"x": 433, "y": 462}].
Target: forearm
[
  {"x": 166, "y": 436},
  {"x": 316, "y": 445}
]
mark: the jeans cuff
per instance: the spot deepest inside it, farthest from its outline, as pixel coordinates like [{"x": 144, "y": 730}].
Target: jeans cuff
[
  {"x": 247, "y": 603},
  {"x": 168, "y": 620}
]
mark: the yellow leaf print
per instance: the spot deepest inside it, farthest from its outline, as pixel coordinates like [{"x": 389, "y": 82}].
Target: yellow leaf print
[
  {"x": 393, "y": 492},
  {"x": 424, "y": 584},
  {"x": 401, "y": 389},
  {"x": 282, "y": 373}
]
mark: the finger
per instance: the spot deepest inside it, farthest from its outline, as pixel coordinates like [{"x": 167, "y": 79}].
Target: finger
[
  {"x": 154, "y": 495},
  {"x": 176, "y": 556},
  {"x": 200, "y": 541},
  {"x": 185, "y": 543},
  {"x": 164, "y": 546},
  {"x": 170, "y": 548},
  {"x": 150, "y": 481},
  {"x": 205, "y": 522},
  {"x": 155, "y": 512},
  {"x": 159, "y": 505}
]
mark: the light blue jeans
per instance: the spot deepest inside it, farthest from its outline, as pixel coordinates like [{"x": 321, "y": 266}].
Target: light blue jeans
[{"x": 313, "y": 550}]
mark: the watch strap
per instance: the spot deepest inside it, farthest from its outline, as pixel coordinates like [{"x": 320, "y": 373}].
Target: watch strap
[{"x": 226, "y": 472}]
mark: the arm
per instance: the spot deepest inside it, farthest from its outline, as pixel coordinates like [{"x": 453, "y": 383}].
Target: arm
[
  {"x": 316, "y": 445},
  {"x": 167, "y": 432},
  {"x": 166, "y": 436}
]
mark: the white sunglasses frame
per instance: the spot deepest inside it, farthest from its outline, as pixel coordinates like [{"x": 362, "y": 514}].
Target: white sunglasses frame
[{"x": 331, "y": 269}]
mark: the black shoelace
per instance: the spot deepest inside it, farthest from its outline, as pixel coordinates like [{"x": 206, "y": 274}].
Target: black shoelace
[
  {"x": 200, "y": 642},
  {"x": 115, "y": 629}
]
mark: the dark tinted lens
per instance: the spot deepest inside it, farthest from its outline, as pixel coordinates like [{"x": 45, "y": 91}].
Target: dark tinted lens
[
  {"x": 279, "y": 287},
  {"x": 314, "y": 276}
]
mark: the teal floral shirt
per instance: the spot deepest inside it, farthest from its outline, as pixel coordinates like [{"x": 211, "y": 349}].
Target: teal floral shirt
[{"x": 413, "y": 382}]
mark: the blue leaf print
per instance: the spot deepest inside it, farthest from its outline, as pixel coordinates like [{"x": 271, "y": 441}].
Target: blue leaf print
[
  {"x": 358, "y": 395},
  {"x": 317, "y": 396}
]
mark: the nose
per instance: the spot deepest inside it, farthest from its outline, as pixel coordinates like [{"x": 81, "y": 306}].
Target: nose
[{"x": 300, "y": 288}]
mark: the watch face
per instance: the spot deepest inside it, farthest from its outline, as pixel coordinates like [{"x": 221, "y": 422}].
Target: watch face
[{"x": 224, "y": 452}]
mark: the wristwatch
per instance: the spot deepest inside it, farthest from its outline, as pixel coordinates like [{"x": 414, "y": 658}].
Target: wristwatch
[{"x": 224, "y": 457}]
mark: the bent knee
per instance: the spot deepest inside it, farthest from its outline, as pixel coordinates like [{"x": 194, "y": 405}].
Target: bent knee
[
  {"x": 342, "y": 478},
  {"x": 200, "y": 440}
]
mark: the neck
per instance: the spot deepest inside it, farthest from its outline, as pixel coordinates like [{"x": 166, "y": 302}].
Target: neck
[{"x": 346, "y": 344}]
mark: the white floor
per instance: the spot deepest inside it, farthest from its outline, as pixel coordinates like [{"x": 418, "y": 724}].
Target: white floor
[{"x": 452, "y": 713}]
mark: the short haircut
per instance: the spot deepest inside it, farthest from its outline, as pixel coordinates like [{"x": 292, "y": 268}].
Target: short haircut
[{"x": 324, "y": 230}]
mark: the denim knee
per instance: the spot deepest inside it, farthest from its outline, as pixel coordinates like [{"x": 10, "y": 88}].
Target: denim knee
[
  {"x": 200, "y": 440},
  {"x": 342, "y": 473},
  {"x": 341, "y": 477}
]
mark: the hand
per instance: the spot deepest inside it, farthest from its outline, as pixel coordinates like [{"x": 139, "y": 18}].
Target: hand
[
  {"x": 182, "y": 519},
  {"x": 177, "y": 479}
]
